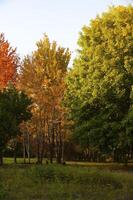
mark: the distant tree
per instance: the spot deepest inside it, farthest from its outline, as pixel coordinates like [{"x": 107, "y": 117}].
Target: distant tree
[
  {"x": 14, "y": 109},
  {"x": 9, "y": 62},
  {"x": 99, "y": 86}
]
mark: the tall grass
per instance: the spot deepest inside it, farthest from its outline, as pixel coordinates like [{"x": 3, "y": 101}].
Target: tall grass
[
  {"x": 3, "y": 192},
  {"x": 56, "y": 182}
]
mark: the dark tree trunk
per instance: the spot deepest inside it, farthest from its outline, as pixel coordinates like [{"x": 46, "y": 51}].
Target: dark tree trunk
[
  {"x": 24, "y": 151},
  {"x": 15, "y": 157},
  {"x": 51, "y": 154},
  {"x": 38, "y": 153},
  {"x": 59, "y": 156},
  {"x": 42, "y": 147},
  {"x": 27, "y": 146},
  {"x": 15, "y": 151},
  {"x": 1, "y": 158},
  {"x": 59, "y": 144},
  {"x": 40, "y": 150},
  {"x": 52, "y": 146},
  {"x": 41, "y": 140}
]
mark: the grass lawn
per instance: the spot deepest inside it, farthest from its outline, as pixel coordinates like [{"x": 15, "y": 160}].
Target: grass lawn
[{"x": 57, "y": 182}]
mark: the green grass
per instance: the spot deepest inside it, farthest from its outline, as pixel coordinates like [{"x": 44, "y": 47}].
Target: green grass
[
  {"x": 107, "y": 165},
  {"x": 9, "y": 160},
  {"x": 56, "y": 182}
]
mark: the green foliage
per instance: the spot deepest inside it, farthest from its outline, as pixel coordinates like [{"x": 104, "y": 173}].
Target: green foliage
[
  {"x": 14, "y": 109},
  {"x": 99, "y": 86}
]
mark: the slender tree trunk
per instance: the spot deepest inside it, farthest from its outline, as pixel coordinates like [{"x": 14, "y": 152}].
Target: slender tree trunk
[
  {"x": 52, "y": 146},
  {"x": 15, "y": 151},
  {"x": 63, "y": 145},
  {"x": 40, "y": 139},
  {"x": 42, "y": 144},
  {"x": 59, "y": 144},
  {"x": 28, "y": 152},
  {"x": 24, "y": 152},
  {"x": 42, "y": 151},
  {"x": 1, "y": 158},
  {"x": 38, "y": 150},
  {"x": 15, "y": 157},
  {"x": 28, "y": 146}
]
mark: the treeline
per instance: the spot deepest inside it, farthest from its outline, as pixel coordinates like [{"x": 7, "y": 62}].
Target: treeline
[{"x": 82, "y": 113}]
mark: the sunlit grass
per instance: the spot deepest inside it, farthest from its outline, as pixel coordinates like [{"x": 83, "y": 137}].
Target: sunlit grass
[{"x": 10, "y": 160}]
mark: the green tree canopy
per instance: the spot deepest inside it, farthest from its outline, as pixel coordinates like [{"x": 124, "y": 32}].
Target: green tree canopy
[{"x": 100, "y": 82}]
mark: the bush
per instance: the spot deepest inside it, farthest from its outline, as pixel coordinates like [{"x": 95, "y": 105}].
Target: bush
[{"x": 75, "y": 175}]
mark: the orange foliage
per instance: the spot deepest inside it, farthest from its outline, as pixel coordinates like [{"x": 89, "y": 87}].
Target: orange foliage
[{"x": 8, "y": 62}]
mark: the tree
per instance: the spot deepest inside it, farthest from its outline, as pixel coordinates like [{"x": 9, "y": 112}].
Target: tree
[
  {"x": 14, "y": 109},
  {"x": 42, "y": 77},
  {"x": 9, "y": 62},
  {"x": 101, "y": 80}
]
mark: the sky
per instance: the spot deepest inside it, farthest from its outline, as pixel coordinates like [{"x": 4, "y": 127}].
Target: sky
[{"x": 25, "y": 21}]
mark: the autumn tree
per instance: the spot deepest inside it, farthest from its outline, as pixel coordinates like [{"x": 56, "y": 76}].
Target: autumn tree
[
  {"x": 42, "y": 77},
  {"x": 9, "y": 62},
  {"x": 99, "y": 86}
]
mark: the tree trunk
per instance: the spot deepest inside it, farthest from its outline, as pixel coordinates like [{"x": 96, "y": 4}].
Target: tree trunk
[
  {"x": 24, "y": 152},
  {"x": 52, "y": 146},
  {"x": 15, "y": 157},
  {"x": 28, "y": 146},
  {"x": 1, "y": 158},
  {"x": 59, "y": 144},
  {"x": 42, "y": 146},
  {"x": 39, "y": 149},
  {"x": 15, "y": 151}
]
